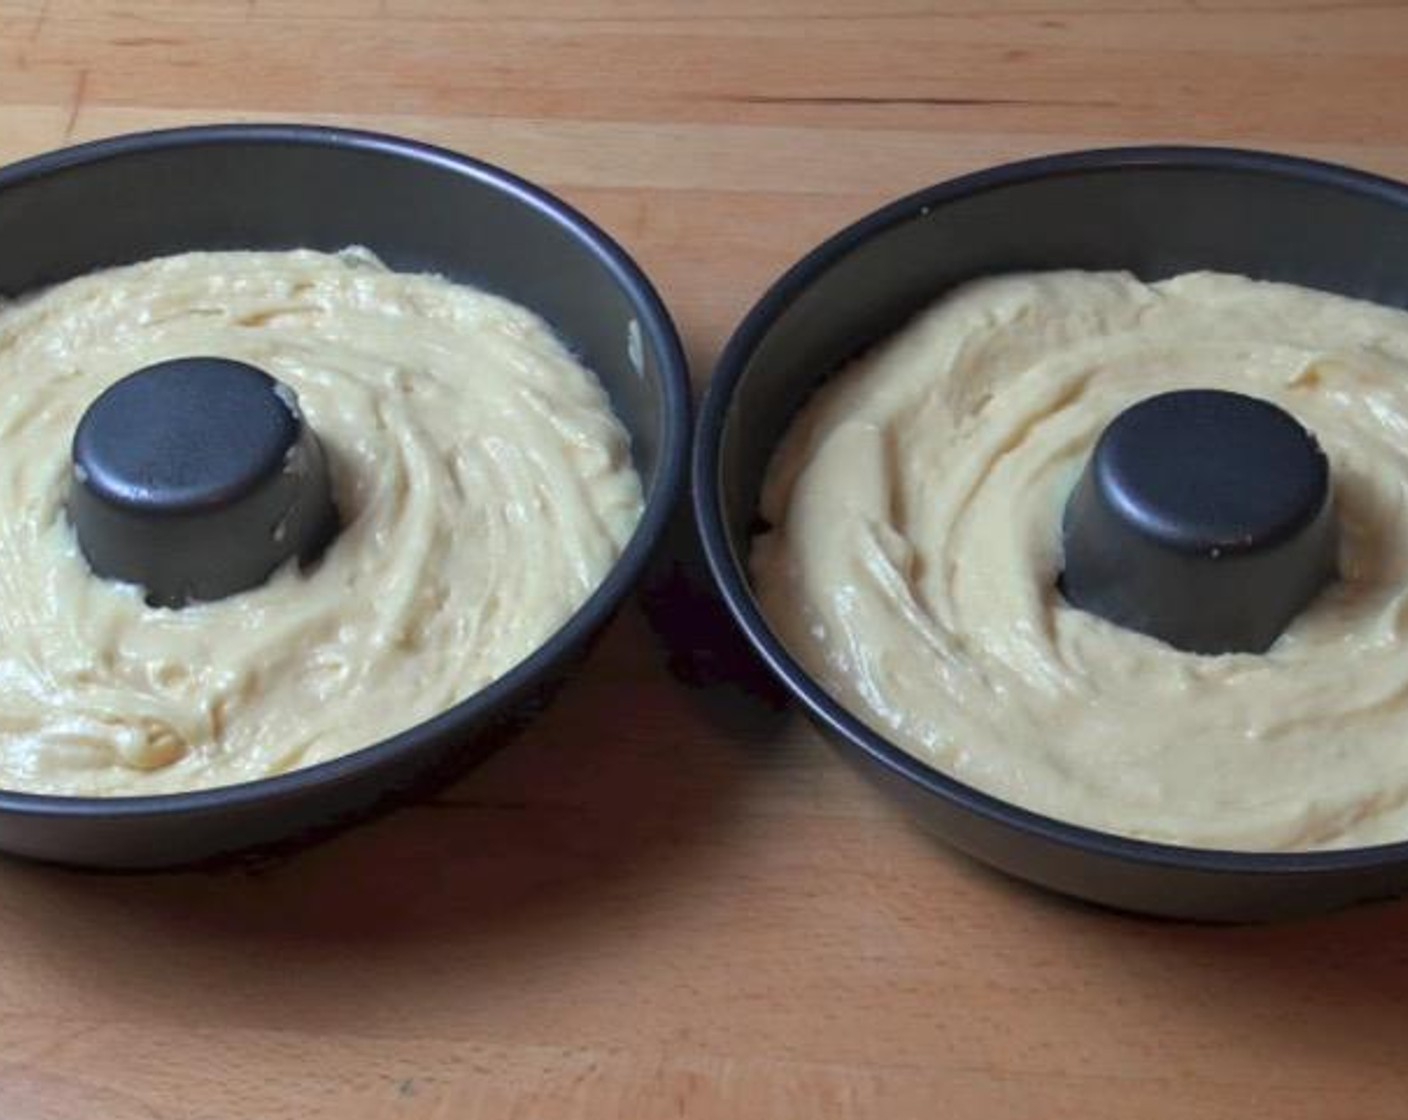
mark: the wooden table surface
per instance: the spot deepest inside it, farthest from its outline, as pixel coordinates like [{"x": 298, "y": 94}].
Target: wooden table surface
[{"x": 670, "y": 900}]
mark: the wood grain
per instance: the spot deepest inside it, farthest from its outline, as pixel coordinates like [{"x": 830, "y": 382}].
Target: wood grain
[{"x": 670, "y": 900}]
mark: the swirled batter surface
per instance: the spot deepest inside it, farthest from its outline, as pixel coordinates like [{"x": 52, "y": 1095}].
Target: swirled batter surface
[
  {"x": 484, "y": 485},
  {"x": 911, "y": 565}
]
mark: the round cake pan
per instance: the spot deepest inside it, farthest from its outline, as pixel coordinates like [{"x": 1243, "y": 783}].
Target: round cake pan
[
  {"x": 1156, "y": 212},
  {"x": 420, "y": 209}
]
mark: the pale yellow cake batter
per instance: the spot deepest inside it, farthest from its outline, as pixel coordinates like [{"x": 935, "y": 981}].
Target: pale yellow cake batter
[
  {"x": 916, "y": 506},
  {"x": 484, "y": 486}
]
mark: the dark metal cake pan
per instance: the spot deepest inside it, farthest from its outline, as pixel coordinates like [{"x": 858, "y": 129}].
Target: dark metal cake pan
[
  {"x": 419, "y": 208},
  {"x": 1157, "y": 212}
]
